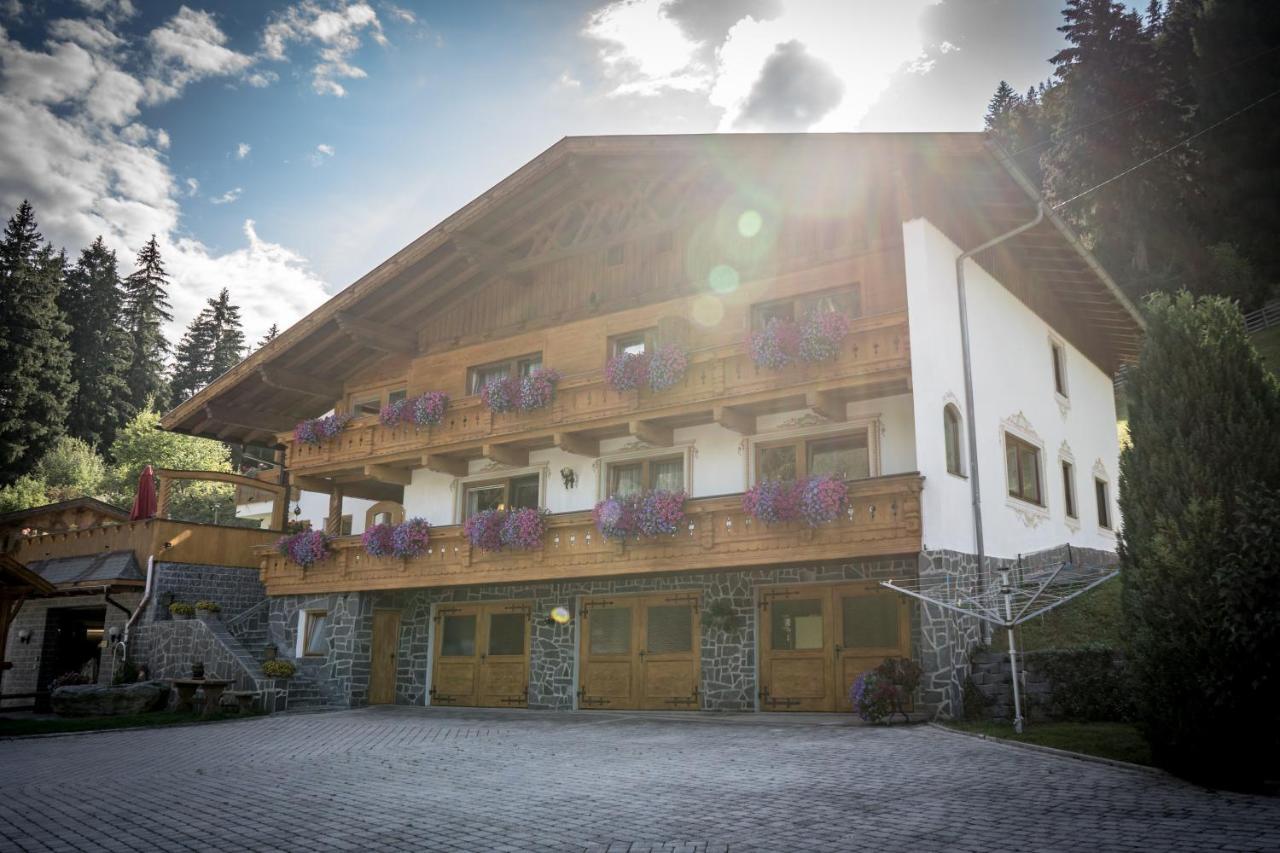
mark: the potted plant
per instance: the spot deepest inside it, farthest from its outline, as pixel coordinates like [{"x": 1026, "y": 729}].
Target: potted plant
[
  {"x": 197, "y": 670},
  {"x": 720, "y": 616},
  {"x": 277, "y": 668},
  {"x": 181, "y": 611},
  {"x": 886, "y": 690},
  {"x": 207, "y": 610}
]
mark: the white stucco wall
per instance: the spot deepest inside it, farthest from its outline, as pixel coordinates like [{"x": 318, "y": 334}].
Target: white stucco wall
[
  {"x": 1013, "y": 389},
  {"x": 315, "y": 507}
]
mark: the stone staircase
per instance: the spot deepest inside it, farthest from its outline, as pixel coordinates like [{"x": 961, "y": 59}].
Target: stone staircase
[{"x": 250, "y": 633}]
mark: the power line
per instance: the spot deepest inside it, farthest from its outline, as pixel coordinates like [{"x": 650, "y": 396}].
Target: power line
[{"x": 1173, "y": 147}]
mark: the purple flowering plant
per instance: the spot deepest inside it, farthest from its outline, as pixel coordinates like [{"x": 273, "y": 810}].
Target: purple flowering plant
[
  {"x": 393, "y": 413},
  {"x": 305, "y": 547},
  {"x": 772, "y": 501},
  {"x": 615, "y": 517},
  {"x": 880, "y": 693},
  {"x": 428, "y": 409},
  {"x": 775, "y": 346},
  {"x": 500, "y": 395},
  {"x": 409, "y": 538},
  {"x": 667, "y": 367},
  {"x": 823, "y": 499},
  {"x": 522, "y": 529},
  {"x": 627, "y": 371},
  {"x": 821, "y": 334},
  {"x": 316, "y": 430},
  {"x": 537, "y": 389},
  {"x": 484, "y": 529},
  {"x": 660, "y": 513},
  {"x": 377, "y": 540}
]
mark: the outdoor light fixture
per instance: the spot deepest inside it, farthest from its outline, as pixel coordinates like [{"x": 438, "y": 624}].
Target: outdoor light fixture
[
  {"x": 559, "y": 615},
  {"x": 114, "y": 632},
  {"x": 569, "y": 476},
  {"x": 24, "y": 635}
]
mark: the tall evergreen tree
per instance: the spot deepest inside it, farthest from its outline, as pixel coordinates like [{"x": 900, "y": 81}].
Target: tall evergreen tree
[
  {"x": 35, "y": 360},
  {"x": 212, "y": 345},
  {"x": 269, "y": 336},
  {"x": 228, "y": 335},
  {"x": 146, "y": 308},
  {"x": 100, "y": 353},
  {"x": 1004, "y": 100}
]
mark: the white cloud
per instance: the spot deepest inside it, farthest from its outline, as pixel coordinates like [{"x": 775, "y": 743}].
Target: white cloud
[
  {"x": 568, "y": 81},
  {"x": 227, "y": 197},
  {"x": 322, "y": 153},
  {"x": 112, "y": 9},
  {"x": 189, "y": 47},
  {"x": 193, "y": 186},
  {"x": 242, "y": 150},
  {"x": 89, "y": 33},
  {"x": 336, "y": 30},
  {"x": 404, "y": 16},
  {"x": 645, "y": 50},
  {"x": 261, "y": 79}
]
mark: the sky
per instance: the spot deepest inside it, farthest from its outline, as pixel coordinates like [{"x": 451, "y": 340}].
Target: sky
[{"x": 284, "y": 149}]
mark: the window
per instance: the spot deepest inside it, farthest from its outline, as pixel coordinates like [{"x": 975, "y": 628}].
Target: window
[
  {"x": 344, "y": 526},
  {"x": 478, "y": 377},
  {"x": 314, "y": 623},
  {"x": 367, "y": 406},
  {"x": 1022, "y": 461},
  {"x": 1104, "y": 503},
  {"x": 628, "y": 478},
  {"x": 633, "y": 342},
  {"x": 847, "y": 456},
  {"x": 511, "y": 493},
  {"x": 846, "y": 300},
  {"x": 371, "y": 402},
  {"x": 951, "y": 435},
  {"x": 1059, "y": 368},
  {"x": 397, "y": 395},
  {"x": 1069, "y": 488}
]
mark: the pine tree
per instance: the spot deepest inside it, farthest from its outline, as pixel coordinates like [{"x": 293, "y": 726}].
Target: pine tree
[
  {"x": 228, "y": 342},
  {"x": 100, "y": 354},
  {"x": 269, "y": 336},
  {"x": 35, "y": 360},
  {"x": 212, "y": 345},
  {"x": 1004, "y": 100},
  {"x": 146, "y": 308}
]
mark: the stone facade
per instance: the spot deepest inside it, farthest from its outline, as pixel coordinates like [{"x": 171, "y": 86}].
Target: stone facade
[
  {"x": 235, "y": 588},
  {"x": 167, "y": 650},
  {"x": 32, "y": 661},
  {"x": 938, "y": 643}
]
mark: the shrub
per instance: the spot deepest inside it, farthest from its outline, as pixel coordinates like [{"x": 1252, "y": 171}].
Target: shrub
[
  {"x": 1200, "y": 559},
  {"x": 305, "y": 547},
  {"x": 975, "y": 703},
  {"x": 209, "y": 606},
  {"x": 181, "y": 608},
  {"x": 1086, "y": 684},
  {"x": 277, "y": 668},
  {"x": 126, "y": 673}
]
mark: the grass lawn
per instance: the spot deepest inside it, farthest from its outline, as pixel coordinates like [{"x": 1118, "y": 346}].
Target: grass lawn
[
  {"x": 1120, "y": 741},
  {"x": 13, "y": 727}
]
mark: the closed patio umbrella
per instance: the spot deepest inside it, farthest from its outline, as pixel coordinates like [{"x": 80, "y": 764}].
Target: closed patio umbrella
[{"x": 144, "y": 503}]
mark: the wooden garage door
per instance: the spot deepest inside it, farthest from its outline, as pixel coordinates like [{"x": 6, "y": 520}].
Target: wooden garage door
[
  {"x": 640, "y": 652},
  {"x": 816, "y": 639},
  {"x": 481, "y": 655}
]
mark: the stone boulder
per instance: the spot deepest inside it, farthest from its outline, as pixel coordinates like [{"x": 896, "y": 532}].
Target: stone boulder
[{"x": 92, "y": 700}]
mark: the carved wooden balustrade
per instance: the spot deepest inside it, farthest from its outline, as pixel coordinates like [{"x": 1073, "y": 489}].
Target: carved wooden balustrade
[
  {"x": 724, "y": 376},
  {"x": 883, "y": 519}
]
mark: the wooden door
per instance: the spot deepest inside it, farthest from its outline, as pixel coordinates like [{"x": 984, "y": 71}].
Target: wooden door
[
  {"x": 641, "y": 652},
  {"x": 871, "y": 623},
  {"x": 386, "y": 646},
  {"x": 796, "y": 649},
  {"x": 481, "y": 655},
  {"x": 815, "y": 640}
]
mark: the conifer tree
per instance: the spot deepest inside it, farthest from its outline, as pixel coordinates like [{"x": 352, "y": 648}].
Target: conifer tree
[
  {"x": 212, "y": 345},
  {"x": 269, "y": 336},
  {"x": 35, "y": 361},
  {"x": 1004, "y": 100},
  {"x": 100, "y": 354},
  {"x": 228, "y": 335},
  {"x": 146, "y": 308}
]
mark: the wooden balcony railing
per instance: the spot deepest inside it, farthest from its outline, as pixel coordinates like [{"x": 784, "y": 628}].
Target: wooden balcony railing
[
  {"x": 165, "y": 539},
  {"x": 721, "y": 376},
  {"x": 883, "y": 519}
]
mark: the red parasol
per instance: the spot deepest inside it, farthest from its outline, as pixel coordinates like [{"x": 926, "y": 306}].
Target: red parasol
[{"x": 144, "y": 504}]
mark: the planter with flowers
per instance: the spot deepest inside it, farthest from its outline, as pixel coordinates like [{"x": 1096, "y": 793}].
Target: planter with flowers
[
  {"x": 305, "y": 547},
  {"x": 506, "y": 530},
  {"x": 658, "y": 370},
  {"x": 405, "y": 540},
  {"x": 316, "y": 430},
  {"x": 814, "y": 500},
  {"x": 509, "y": 394},
  {"x": 425, "y": 410},
  {"x": 657, "y": 513},
  {"x": 782, "y": 343}
]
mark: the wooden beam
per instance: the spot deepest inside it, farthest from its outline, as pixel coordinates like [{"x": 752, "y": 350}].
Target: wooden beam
[
  {"x": 734, "y": 419},
  {"x": 386, "y": 474},
  {"x": 292, "y": 380},
  {"x": 506, "y": 454},
  {"x": 451, "y": 465},
  {"x": 333, "y": 521},
  {"x": 313, "y": 484},
  {"x": 248, "y": 418},
  {"x": 378, "y": 336},
  {"x": 577, "y": 443},
  {"x": 651, "y": 433},
  {"x": 826, "y": 404}
]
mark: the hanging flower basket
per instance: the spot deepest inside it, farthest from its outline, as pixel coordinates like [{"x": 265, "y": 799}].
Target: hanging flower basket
[
  {"x": 500, "y": 395},
  {"x": 627, "y": 371},
  {"x": 814, "y": 500},
  {"x": 393, "y": 413},
  {"x": 657, "y": 513},
  {"x": 775, "y": 346},
  {"x": 306, "y": 547},
  {"x": 409, "y": 538},
  {"x": 424, "y": 410},
  {"x": 377, "y": 540},
  {"x": 667, "y": 367},
  {"x": 537, "y": 390},
  {"x": 821, "y": 335},
  {"x": 784, "y": 342},
  {"x": 316, "y": 430},
  {"x": 615, "y": 518},
  {"x": 499, "y": 530},
  {"x": 823, "y": 499},
  {"x": 772, "y": 501},
  {"x": 484, "y": 530}
]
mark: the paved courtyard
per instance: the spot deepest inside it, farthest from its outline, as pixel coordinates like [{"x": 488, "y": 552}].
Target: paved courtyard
[{"x": 417, "y": 779}]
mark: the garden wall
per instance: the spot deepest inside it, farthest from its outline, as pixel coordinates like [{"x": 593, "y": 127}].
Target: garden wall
[{"x": 1074, "y": 684}]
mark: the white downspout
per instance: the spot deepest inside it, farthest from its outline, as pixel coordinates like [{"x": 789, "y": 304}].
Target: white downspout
[{"x": 123, "y": 645}]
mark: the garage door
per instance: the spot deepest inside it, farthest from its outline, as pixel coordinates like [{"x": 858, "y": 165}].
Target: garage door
[
  {"x": 481, "y": 655},
  {"x": 640, "y": 652}
]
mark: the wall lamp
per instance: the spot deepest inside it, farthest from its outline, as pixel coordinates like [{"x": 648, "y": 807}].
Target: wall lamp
[
  {"x": 24, "y": 635},
  {"x": 559, "y": 615}
]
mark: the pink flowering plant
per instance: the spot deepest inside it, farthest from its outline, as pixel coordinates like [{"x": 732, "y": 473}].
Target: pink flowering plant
[
  {"x": 660, "y": 513},
  {"x": 522, "y": 529},
  {"x": 376, "y": 540},
  {"x": 316, "y": 430},
  {"x": 667, "y": 367},
  {"x": 484, "y": 529},
  {"x": 409, "y": 539},
  {"x": 615, "y": 517},
  {"x": 305, "y": 547},
  {"x": 537, "y": 389},
  {"x": 627, "y": 371},
  {"x": 772, "y": 501},
  {"x": 821, "y": 335},
  {"x": 500, "y": 395},
  {"x": 393, "y": 413},
  {"x": 823, "y": 499},
  {"x": 879, "y": 694},
  {"x": 813, "y": 500},
  {"x": 428, "y": 409},
  {"x": 775, "y": 346}
]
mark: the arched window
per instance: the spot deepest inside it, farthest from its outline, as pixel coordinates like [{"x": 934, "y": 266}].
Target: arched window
[
  {"x": 384, "y": 512},
  {"x": 951, "y": 435}
]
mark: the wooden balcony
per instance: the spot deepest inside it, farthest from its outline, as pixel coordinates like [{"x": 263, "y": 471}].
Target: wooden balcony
[
  {"x": 883, "y": 519},
  {"x": 721, "y": 383},
  {"x": 165, "y": 539}
]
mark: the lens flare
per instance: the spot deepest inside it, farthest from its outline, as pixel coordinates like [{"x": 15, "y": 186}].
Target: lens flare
[
  {"x": 723, "y": 279},
  {"x": 708, "y": 310},
  {"x": 750, "y": 222},
  {"x": 560, "y": 615}
]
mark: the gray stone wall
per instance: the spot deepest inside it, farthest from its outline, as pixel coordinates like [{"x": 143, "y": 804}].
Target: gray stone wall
[
  {"x": 992, "y": 674},
  {"x": 167, "y": 650},
  {"x": 25, "y": 676},
  {"x": 342, "y": 674},
  {"x": 234, "y": 587}
]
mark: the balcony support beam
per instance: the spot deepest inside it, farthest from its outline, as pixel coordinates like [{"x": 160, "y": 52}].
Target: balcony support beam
[
  {"x": 387, "y": 474},
  {"x": 333, "y": 521},
  {"x": 735, "y": 420},
  {"x": 577, "y": 444},
  {"x": 506, "y": 454},
  {"x": 827, "y": 405},
  {"x": 451, "y": 465},
  {"x": 651, "y": 433}
]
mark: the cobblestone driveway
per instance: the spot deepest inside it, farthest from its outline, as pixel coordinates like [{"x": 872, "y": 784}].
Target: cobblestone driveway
[{"x": 414, "y": 779}]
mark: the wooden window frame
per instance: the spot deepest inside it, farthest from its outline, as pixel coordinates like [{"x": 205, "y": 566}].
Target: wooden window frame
[
  {"x": 505, "y": 482},
  {"x": 308, "y": 631},
  {"x": 377, "y": 397},
  {"x": 648, "y": 339},
  {"x": 1058, "y": 363},
  {"x": 646, "y": 464},
  {"x": 514, "y": 368},
  {"x": 1069, "y": 488},
  {"x": 1018, "y": 443},
  {"x": 1102, "y": 497},
  {"x": 346, "y": 524},
  {"x": 802, "y": 444},
  {"x": 953, "y": 423},
  {"x": 802, "y": 303}
]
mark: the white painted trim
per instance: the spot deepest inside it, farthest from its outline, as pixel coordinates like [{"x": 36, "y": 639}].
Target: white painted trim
[
  {"x": 683, "y": 448},
  {"x": 301, "y": 633},
  {"x": 871, "y": 423},
  {"x": 498, "y": 472}
]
